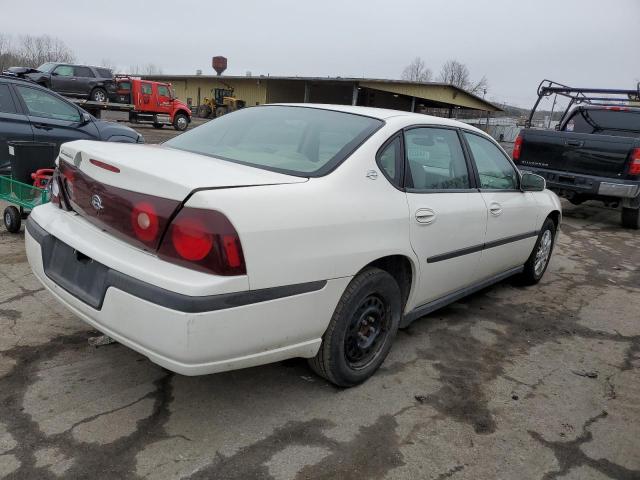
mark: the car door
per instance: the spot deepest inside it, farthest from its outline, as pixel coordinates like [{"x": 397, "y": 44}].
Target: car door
[
  {"x": 63, "y": 80},
  {"x": 14, "y": 125},
  {"x": 164, "y": 100},
  {"x": 447, "y": 213},
  {"x": 85, "y": 80},
  {"x": 54, "y": 119},
  {"x": 512, "y": 214}
]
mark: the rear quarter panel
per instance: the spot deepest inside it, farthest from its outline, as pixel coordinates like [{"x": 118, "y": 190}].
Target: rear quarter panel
[{"x": 324, "y": 228}]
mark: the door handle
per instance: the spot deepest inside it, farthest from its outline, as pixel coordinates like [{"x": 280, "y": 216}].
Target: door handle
[
  {"x": 425, "y": 216},
  {"x": 42, "y": 126},
  {"x": 575, "y": 143},
  {"x": 495, "y": 208}
]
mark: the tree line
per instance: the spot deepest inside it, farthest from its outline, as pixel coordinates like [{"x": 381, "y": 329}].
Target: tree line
[
  {"x": 452, "y": 72},
  {"x": 32, "y": 51}
]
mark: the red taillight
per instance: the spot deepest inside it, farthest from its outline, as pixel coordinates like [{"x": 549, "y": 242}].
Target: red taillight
[
  {"x": 144, "y": 221},
  {"x": 634, "y": 164},
  {"x": 203, "y": 240},
  {"x": 517, "y": 148},
  {"x": 190, "y": 239}
]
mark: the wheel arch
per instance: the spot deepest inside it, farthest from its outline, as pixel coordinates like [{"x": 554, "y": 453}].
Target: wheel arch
[
  {"x": 556, "y": 216},
  {"x": 402, "y": 269}
]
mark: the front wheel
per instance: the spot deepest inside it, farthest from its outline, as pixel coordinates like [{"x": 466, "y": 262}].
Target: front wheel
[
  {"x": 12, "y": 219},
  {"x": 631, "y": 218},
  {"x": 361, "y": 330},
  {"x": 180, "y": 122},
  {"x": 539, "y": 259}
]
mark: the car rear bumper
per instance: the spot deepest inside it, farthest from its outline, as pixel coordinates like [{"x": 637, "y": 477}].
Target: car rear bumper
[
  {"x": 592, "y": 186},
  {"x": 199, "y": 341}
]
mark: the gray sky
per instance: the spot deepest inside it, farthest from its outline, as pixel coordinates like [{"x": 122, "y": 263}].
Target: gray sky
[{"x": 514, "y": 43}]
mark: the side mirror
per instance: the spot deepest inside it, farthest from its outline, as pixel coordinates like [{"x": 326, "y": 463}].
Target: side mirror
[
  {"x": 84, "y": 118},
  {"x": 530, "y": 182},
  {"x": 54, "y": 74}
]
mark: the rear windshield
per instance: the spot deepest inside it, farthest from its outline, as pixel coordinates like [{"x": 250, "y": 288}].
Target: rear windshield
[
  {"x": 295, "y": 140},
  {"x": 624, "y": 123}
]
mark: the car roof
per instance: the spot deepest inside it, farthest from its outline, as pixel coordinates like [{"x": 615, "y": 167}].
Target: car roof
[{"x": 382, "y": 113}]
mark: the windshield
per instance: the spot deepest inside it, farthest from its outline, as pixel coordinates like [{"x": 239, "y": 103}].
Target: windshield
[
  {"x": 295, "y": 140},
  {"x": 46, "y": 67}
]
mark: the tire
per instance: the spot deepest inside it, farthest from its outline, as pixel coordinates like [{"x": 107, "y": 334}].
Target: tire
[
  {"x": 631, "y": 218},
  {"x": 12, "y": 219},
  {"x": 370, "y": 305},
  {"x": 204, "y": 111},
  {"x": 539, "y": 259},
  {"x": 180, "y": 122},
  {"x": 220, "y": 111},
  {"x": 99, "y": 95},
  {"x": 158, "y": 125}
]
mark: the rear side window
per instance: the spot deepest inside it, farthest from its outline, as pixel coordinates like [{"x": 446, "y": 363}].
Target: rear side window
[
  {"x": 390, "y": 159},
  {"x": 84, "y": 72},
  {"x": 494, "y": 169},
  {"x": 146, "y": 88},
  {"x": 6, "y": 102},
  {"x": 435, "y": 160},
  {"x": 104, "y": 73},
  {"x": 605, "y": 122},
  {"x": 42, "y": 104},
  {"x": 296, "y": 140}
]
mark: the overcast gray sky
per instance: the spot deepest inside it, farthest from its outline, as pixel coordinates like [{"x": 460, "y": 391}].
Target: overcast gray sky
[{"x": 514, "y": 43}]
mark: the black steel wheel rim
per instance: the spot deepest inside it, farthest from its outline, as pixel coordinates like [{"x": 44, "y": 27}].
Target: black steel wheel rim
[{"x": 367, "y": 332}]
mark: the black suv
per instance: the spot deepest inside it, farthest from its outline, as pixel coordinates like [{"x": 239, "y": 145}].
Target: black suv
[
  {"x": 94, "y": 83},
  {"x": 30, "y": 112}
]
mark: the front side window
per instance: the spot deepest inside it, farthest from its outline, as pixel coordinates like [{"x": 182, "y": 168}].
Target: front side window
[
  {"x": 64, "y": 70},
  {"x": 295, "y": 140},
  {"x": 83, "y": 72},
  {"x": 145, "y": 88},
  {"x": 435, "y": 160},
  {"x": 6, "y": 102},
  {"x": 42, "y": 104},
  {"x": 163, "y": 91},
  {"x": 494, "y": 169},
  {"x": 389, "y": 160}
]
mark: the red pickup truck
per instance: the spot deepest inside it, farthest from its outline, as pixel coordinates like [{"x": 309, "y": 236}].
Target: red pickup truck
[{"x": 152, "y": 102}]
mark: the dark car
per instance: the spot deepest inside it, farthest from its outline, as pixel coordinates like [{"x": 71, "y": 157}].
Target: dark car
[
  {"x": 30, "y": 112},
  {"x": 94, "y": 83}
]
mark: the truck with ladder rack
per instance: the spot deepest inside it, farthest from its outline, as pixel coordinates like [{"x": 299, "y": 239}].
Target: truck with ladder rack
[{"x": 594, "y": 151}]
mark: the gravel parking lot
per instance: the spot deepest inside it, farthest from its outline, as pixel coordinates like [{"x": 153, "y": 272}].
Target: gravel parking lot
[{"x": 512, "y": 383}]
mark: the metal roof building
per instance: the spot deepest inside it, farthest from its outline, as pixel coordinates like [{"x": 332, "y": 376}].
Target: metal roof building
[{"x": 435, "y": 98}]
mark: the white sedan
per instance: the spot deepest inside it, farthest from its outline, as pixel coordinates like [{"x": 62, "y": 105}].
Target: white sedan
[{"x": 286, "y": 231}]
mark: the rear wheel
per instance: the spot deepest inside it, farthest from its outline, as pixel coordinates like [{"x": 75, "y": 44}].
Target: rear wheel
[
  {"x": 539, "y": 259},
  {"x": 631, "y": 218},
  {"x": 99, "y": 95},
  {"x": 12, "y": 219},
  {"x": 204, "y": 111},
  {"x": 180, "y": 122},
  {"x": 361, "y": 330}
]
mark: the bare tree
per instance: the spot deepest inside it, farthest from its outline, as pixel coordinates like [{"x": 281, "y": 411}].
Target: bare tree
[
  {"x": 148, "y": 69},
  {"x": 417, "y": 71},
  {"x": 457, "y": 73},
  {"x": 35, "y": 51},
  {"x": 7, "y": 55}
]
